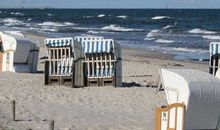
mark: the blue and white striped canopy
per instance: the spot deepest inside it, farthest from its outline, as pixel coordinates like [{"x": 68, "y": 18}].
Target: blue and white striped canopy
[
  {"x": 98, "y": 46},
  {"x": 86, "y": 38},
  {"x": 214, "y": 48},
  {"x": 59, "y": 42}
]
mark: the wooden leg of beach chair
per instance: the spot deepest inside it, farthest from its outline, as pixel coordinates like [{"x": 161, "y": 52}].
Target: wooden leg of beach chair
[
  {"x": 213, "y": 69},
  {"x": 46, "y": 72}
]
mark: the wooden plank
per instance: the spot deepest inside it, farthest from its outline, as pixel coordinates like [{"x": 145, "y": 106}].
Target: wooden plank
[
  {"x": 93, "y": 67},
  {"x": 106, "y": 66},
  {"x": 213, "y": 70},
  {"x": 102, "y": 66}
]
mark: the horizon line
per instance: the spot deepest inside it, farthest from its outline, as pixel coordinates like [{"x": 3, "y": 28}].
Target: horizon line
[{"x": 111, "y": 8}]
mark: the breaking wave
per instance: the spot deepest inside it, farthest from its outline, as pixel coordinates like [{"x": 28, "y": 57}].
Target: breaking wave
[
  {"x": 164, "y": 41},
  {"x": 160, "y": 17},
  {"x": 117, "y": 28},
  {"x": 201, "y": 31},
  {"x": 122, "y": 16},
  {"x": 101, "y": 15},
  {"x": 211, "y": 37}
]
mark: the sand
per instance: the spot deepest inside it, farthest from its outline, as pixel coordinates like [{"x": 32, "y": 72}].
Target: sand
[{"x": 130, "y": 107}]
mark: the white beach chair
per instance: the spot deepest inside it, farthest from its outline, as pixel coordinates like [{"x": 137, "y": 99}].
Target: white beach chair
[
  {"x": 63, "y": 56},
  {"x": 214, "y": 50},
  {"x": 103, "y": 60},
  {"x": 18, "y": 54},
  {"x": 198, "y": 91}
]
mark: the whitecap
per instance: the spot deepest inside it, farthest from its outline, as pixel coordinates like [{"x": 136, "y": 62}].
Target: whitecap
[
  {"x": 48, "y": 29},
  {"x": 122, "y": 16},
  {"x": 153, "y": 34},
  {"x": 117, "y": 28},
  {"x": 160, "y": 17},
  {"x": 18, "y": 13},
  {"x": 201, "y": 31},
  {"x": 101, "y": 15},
  {"x": 52, "y": 24},
  {"x": 69, "y": 24},
  {"x": 164, "y": 41},
  {"x": 93, "y": 32},
  {"x": 49, "y": 14},
  {"x": 12, "y": 21},
  {"x": 188, "y": 50},
  {"x": 88, "y": 17},
  {"x": 211, "y": 37},
  {"x": 29, "y": 19}
]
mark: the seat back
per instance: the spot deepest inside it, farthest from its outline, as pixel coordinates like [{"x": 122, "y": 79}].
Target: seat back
[
  {"x": 214, "y": 50},
  {"x": 60, "y": 56},
  {"x": 170, "y": 117}
]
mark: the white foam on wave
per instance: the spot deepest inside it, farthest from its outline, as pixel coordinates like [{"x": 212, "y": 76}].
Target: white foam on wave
[
  {"x": 164, "y": 41},
  {"x": 58, "y": 24},
  {"x": 117, "y": 28},
  {"x": 49, "y": 14},
  {"x": 69, "y": 24},
  {"x": 211, "y": 37},
  {"x": 29, "y": 19},
  {"x": 101, "y": 15},
  {"x": 93, "y": 32},
  {"x": 152, "y": 35},
  {"x": 88, "y": 17},
  {"x": 44, "y": 28},
  {"x": 12, "y": 21},
  {"x": 122, "y": 16},
  {"x": 201, "y": 31},
  {"x": 188, "y": 50},
  {"x": 160, "y": 17}
]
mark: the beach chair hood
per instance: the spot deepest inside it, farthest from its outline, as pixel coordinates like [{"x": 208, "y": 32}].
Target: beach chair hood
[
  {"x": 199, "y": 91},
  {"x": 21, "y": 52},
  {"x": 66, "y": 42}
]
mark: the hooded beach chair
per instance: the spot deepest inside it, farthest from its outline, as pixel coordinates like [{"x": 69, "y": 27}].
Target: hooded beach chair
[
  {"x": 65, "y": 62},
  {"x": 18, "y": 53},
  {"x": 103, "y": 60},
  {"x": 195, "y": 95},
  {"x": 214, "y": 61}
]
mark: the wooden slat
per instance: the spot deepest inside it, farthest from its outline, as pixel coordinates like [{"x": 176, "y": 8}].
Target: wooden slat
[
  {"x": 213, "y": 70},
  {"x": 93, "y": 67},
  {"x": 159, "y": 111}
]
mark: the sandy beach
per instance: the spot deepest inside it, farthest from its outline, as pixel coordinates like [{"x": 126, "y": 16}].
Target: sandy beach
[{"x": 130, "y": 107}]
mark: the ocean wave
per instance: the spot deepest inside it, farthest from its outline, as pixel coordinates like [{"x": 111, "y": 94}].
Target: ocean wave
[
  {"x": 101, "y": 15},
  {"x": 117, "y": 28},
  {"x": 93, "y": 32},
  {"x": 48, "y": 29},
  {"x": 49, "y": 14},
  {"x": 201, "y": 31},
  {"x": 85, "y": 28},
  {"x": 58, "y": 24},
  {"x": 152, "y": 35},
  {"x": 211, "y": 37},
  {"x": 88, "y": 17},
  {"x": 12, "y": 21},
  {"x": 170, "y": 26},
  {"x": 188, "y": 50},
  {"x": 164, "y": 41},
  {"x": 122, "y": 16},
  {"x": 160, "y": 17}
]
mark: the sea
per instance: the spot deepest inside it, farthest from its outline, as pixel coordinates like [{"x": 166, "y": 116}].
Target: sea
[{"x": 183, "y": 33}]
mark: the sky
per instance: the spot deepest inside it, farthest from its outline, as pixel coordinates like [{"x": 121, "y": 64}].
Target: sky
[{"x": 109, "y": 3}]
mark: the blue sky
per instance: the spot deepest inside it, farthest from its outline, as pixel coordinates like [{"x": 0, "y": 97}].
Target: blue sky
[{"x": 109, "y": 3}]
